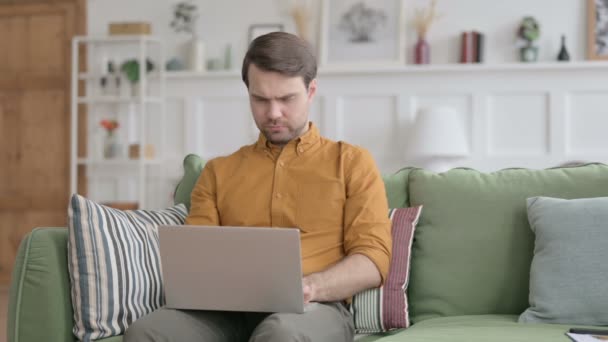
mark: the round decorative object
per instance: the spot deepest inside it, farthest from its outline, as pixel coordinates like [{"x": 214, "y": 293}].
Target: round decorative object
[{"x": 175, "y": 64}]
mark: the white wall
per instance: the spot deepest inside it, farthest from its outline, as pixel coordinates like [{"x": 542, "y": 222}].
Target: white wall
[
  {"x": 514, "y": 115},
  {"x": 220, "y": 23},
  {"x": 227, "y": 22},
  {"x": 517, "y": 115}
]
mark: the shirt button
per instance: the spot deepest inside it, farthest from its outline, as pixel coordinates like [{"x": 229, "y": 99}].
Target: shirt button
[
  {"x": 300, "y": 150},
  {"x": 278, "y": 196},
  {"x": 281, "y": 164}
]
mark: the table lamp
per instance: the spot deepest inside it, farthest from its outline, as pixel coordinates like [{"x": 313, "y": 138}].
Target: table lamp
[{"x": 437, "y": 138}]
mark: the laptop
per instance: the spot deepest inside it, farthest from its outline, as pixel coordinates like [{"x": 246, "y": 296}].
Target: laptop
[{"x": 232, "y": 268}]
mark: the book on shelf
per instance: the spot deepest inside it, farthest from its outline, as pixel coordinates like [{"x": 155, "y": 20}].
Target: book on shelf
[
  {"x": 464, "y": 47},
  {"x": 479, "y": 50},
  {"x": 472, "y": 47}
]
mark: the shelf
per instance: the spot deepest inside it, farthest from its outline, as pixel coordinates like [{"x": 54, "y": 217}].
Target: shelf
[
  {"x": 116, "y": 100},
  {"x": 405, "y": 69},
  {"x": 118, "y": 39},
  {"x": 205, "y": 74},
  {"x": 89, "y": 77},
  {"x": 117, "y": 162},
  {"x": 84, "y": 76},
  {"x": 478, "y": 67},
  {"x": 135, "y": 101}
]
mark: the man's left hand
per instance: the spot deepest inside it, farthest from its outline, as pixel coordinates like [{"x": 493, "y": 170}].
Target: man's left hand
[
  {"x": 308, "y": 286},
  {"x": 342, "y": 280}
]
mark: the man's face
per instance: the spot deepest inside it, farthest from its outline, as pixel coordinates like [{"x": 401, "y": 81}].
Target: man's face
[{"x": 279, "y": 104}]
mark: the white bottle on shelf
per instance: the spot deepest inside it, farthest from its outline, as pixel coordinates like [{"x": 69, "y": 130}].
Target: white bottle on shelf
[{"x": 196, "y": 54}]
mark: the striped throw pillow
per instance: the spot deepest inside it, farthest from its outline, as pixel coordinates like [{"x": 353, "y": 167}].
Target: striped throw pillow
[
  {"x": 385, "y": 308},
  {"x": 114, "y": 265}
]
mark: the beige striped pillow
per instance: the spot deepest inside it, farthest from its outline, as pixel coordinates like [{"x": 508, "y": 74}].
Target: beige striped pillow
[{"x": 114, "y": 265}]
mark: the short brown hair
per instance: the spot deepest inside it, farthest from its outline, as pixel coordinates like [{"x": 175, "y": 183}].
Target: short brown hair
[{"x": 281, "y": 52}]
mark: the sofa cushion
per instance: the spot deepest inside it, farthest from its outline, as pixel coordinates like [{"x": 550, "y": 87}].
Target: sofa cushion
[
  {"x": 114, "y": 264},
  {"x": 569, "y": 269},
  {"x": 396, "y": 188},
  {"x": 473, "y": 245},
  {"x": 386, "y": 308},
  {"x": 39, "y": 303},
  {"x": 483, "y": 328},
  {"x": 193, "y": 165}
]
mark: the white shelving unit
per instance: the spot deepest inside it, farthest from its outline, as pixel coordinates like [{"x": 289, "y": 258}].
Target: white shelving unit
[{"x": 124, "y": 108}]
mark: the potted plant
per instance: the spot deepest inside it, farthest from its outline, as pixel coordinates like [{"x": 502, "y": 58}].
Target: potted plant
[
  {"x": 111, "y": 148},
  {"x": 529, "y": 32},
  {"x": 185, "y": 15},
  {"x": 131, "y": 70}
]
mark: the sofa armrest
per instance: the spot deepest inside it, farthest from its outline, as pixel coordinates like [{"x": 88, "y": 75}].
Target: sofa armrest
[{"x": 40, "y": 307}]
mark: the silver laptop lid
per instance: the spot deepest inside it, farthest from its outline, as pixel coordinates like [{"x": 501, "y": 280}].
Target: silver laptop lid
[{"x": 232, "y": 268}]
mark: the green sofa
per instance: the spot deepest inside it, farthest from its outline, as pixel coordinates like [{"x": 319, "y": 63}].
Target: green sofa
[{"x": 470, "y": 261}]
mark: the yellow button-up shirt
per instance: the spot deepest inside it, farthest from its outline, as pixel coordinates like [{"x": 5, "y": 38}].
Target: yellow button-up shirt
[{"x": 332, "y": 191}]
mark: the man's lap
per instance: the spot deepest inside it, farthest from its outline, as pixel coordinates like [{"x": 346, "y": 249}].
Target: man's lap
[{"x": 321, "y": 322}]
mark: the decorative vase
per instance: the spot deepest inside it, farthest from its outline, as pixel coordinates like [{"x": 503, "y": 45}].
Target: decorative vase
[
  {"x": 196, "y": 54},
  {"x": 422, "y": 53},
  {"x": 135, "y": 89},
  {"x": 111, "y": 149},
  {"x": 228, "y": 57},
  {"x": 563, "y": 55},
  {"x": 529, "y": 54}
]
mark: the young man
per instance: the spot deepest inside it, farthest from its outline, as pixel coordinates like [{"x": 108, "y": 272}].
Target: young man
[{"x": 291, "y": 177}]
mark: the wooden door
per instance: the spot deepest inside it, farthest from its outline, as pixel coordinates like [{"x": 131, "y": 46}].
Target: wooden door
[{"x": 35, "y": 65}]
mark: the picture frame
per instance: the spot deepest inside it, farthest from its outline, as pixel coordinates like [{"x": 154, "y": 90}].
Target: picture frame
[
  {"x": 257, "y": 30},
  {"x": 597, "y": 29},
  {"x": 362, "y": 32}
]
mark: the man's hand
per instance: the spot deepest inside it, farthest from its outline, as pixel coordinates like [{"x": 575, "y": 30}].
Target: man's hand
[
  {"x": 351, "y": 275},
  {"x": 308, "y": 286}
]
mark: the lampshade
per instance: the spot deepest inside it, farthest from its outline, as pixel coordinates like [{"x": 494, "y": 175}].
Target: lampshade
[{"x": 438, "y": 132}]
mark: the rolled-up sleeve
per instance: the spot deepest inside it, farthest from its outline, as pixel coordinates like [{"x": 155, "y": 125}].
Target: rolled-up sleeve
[
  {"x": 367, "y": 228},
  {"x": 203, "y": 209}
]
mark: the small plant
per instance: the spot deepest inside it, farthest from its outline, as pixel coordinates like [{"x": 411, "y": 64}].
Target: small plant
[
  {"x": 301, "y": 14},
  {"x": 185, "y": 14},
  {"x": 424, "y": 18},
  {"x": 529, "y": 31},
  {"x": 109, "y": 125},
  {"x": 131, "y": 69}
]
